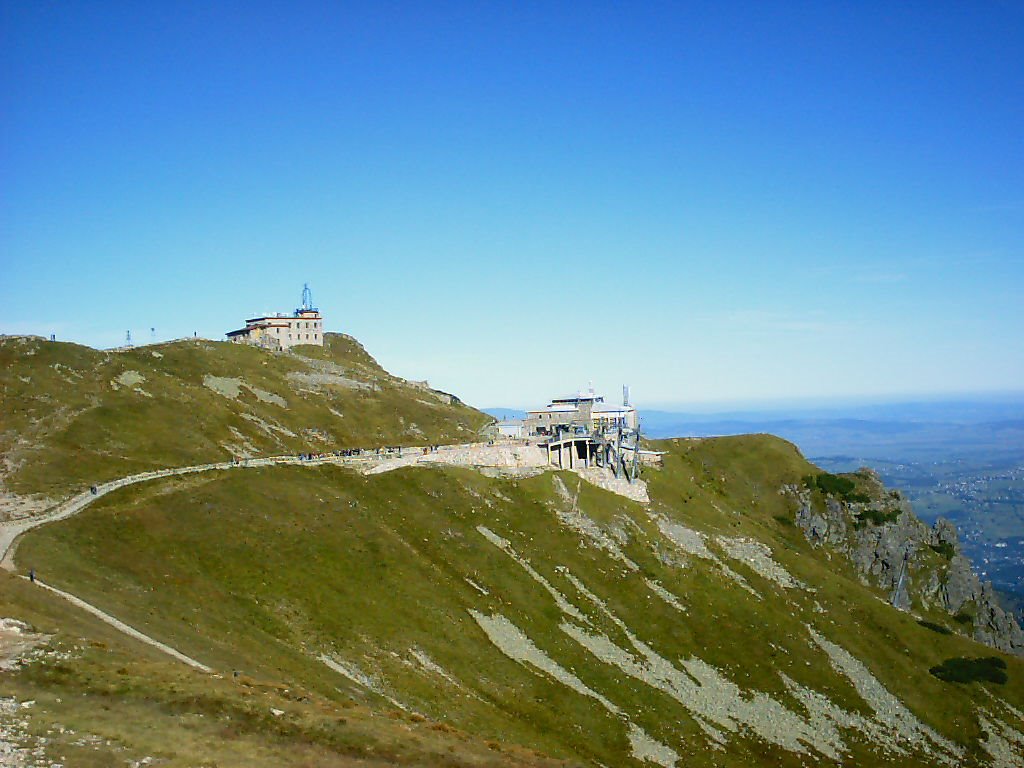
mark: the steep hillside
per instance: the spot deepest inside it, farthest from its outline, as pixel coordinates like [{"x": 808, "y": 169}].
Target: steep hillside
[
  {"x": 72, "y": 416},
  {"x": 538, "y": 610},
  {"x": 83, "y": 695}
]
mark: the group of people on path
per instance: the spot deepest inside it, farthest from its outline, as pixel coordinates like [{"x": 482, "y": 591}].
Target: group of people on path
[{"x": 387, "y": 450}]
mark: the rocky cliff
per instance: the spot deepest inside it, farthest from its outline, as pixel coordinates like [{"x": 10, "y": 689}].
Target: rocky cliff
[{"x": 921, "y": 567}]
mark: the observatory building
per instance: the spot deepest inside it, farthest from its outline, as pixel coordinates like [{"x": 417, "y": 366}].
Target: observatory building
[{"x": 304, "y": 326}]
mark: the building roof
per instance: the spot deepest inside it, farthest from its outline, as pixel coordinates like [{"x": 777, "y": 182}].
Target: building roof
[
  {"x": 554, "y": 409},
  {"x": 610, "y": 408},
  {"x": 578, "y": 397},
  {"x": 309, "y": 314},
  {"x": 571, "y": 404}
]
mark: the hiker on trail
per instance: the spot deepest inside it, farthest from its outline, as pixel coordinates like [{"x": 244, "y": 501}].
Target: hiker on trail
[
  {"x": 93, "y": 489},
  {"x": 32, "y": 575}
]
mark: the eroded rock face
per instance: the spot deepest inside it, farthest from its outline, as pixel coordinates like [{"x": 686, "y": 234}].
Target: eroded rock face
[
  {"x": 995, "y": 627},
  {"x": 961, "y": 585},
  {"x": 944, "y": 532},
  {"x": 916, "y": 564},
  {"x": 828, "y": 527}
]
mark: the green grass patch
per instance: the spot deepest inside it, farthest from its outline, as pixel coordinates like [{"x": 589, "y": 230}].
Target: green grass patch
[
  {"x": 965, "y": 615},
  {"x": 836, "y": 486},
  {"x": 945, "y": 549},
  {"x": 875, "y": 517}
]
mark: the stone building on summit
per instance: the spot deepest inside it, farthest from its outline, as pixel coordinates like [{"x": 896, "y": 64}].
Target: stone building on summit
[{"x": 304, "y": 326}]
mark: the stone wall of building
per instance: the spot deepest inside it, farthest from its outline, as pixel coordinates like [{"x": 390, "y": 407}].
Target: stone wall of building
[{"x": 282, "y": 331}]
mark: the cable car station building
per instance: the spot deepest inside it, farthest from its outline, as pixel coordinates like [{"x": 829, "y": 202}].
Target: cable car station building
[
  {"x": 582, "y": 430},
  {"x": 581, "y": 413}
]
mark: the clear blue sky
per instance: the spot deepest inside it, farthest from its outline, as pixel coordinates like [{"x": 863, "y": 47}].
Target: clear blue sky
[{"x": 711, "y": 202}]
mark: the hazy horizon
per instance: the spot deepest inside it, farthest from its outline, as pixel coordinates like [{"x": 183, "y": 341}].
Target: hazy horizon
[{"x": 839, "y": 403}]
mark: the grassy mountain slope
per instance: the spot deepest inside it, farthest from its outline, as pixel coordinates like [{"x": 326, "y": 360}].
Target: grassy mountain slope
[
  {"x": 72, "y": 416},
  {"x": 543, "y": 611},
  {"x": 99, "y": 699}
]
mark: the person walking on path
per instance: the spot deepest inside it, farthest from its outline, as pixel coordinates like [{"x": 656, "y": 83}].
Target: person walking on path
[{"x": 32, "y": 575}]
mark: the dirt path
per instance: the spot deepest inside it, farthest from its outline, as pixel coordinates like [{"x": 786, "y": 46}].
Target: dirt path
[{"x": 120, "y": 625}]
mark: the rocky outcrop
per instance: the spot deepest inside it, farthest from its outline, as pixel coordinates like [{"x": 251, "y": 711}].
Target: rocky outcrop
[{"x": 917, "y": 565}]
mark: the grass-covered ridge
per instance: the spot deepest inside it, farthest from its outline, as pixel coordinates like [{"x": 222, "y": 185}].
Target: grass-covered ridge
[
  {"x": 403, "y": 577},
  {"x": 73, "y": 416}
]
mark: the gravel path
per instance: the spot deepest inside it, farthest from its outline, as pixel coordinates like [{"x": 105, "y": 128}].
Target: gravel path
[{"x": 120, "y": 625}]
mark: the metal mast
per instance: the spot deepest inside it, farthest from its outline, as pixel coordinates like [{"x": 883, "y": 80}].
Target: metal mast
[{"x": 636, "y": 453}]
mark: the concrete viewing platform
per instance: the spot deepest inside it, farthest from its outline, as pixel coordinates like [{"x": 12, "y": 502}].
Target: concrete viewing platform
[{"x": 576, "y": 450}]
